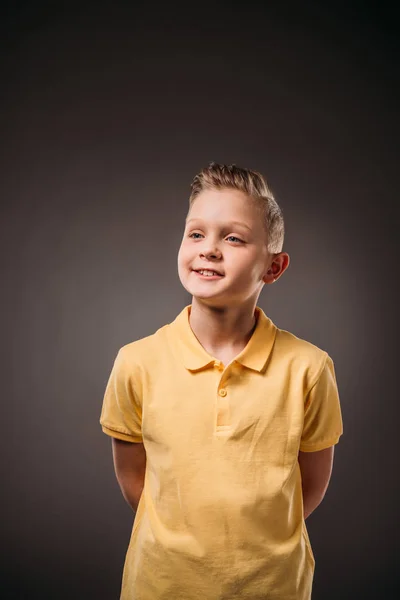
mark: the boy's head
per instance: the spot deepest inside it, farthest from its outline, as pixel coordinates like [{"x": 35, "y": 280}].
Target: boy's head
[
  {"x": 235, "y": 228},
  {"x": 254, "y": 186}
]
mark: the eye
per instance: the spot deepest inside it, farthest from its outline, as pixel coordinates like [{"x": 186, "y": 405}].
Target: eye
[
  {"x": 236, "y": 239},
  {"x": 194, "y": 233}
]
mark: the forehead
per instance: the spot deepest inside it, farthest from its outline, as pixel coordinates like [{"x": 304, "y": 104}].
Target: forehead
[{"x": 224, "y": 206}]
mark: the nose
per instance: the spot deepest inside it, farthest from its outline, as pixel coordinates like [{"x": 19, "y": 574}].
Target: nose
[{"x": 210, "y": 253}]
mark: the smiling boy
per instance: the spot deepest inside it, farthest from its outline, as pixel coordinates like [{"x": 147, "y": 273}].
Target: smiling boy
[{"x": 223, "y": 425}]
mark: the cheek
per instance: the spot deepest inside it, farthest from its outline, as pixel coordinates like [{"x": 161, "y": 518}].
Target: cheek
[
  {"x": 248, "y": 268},
  {"x": 183, "y": 255}
]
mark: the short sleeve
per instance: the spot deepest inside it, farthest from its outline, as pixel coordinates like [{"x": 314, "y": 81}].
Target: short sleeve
[
  {"x": 121, "y": 414},
  {"x": 323, "y": 423}
]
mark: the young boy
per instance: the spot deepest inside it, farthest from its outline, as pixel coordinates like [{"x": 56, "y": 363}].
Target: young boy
[{"x": 222, "y": 424}]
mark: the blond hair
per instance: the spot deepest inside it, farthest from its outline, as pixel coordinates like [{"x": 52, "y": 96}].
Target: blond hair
[{"x": 252, "y": 183}]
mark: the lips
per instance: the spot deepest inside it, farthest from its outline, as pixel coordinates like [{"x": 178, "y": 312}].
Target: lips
[{"x": 206, "y": 269}]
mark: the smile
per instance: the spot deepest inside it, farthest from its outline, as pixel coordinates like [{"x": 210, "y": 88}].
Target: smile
[{"x": 207, "y": 274}]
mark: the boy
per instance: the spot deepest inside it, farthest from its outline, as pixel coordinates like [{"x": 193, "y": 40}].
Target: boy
[{"x": 222, "y": 424}]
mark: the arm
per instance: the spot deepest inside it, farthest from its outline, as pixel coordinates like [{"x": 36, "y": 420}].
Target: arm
[
  {"x": 130, "y": 466},
  {"x": 316, "y": 470}
]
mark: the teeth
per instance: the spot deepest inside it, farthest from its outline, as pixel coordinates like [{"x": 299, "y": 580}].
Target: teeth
[{"x": 208, "y": 273}]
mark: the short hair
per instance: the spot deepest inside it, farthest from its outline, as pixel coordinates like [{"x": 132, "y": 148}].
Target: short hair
[{"x": 218, "y": 177}]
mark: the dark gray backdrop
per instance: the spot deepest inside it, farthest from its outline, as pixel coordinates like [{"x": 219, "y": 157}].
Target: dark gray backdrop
[{"x": 107, "y": 113}]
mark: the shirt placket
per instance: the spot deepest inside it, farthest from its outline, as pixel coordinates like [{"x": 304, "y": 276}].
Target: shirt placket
[{"x": 222, "y": 403}]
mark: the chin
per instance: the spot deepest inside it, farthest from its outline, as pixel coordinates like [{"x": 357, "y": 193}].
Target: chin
[
  {"x": 201, "y": 294},
  {"x": 198, "y": 293},
  {"x": 209, "y": 297},
  {"x": 198, "y": 289}
]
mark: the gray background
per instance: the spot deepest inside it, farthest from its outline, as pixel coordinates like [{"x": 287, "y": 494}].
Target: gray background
[{"x": 107, "y": 113}]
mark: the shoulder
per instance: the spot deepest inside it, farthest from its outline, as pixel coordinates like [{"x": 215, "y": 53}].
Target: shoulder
[
  {"x": 300, "y": 354},
  {"x": 144, "y": 349},
  {"x": 289, "y": 342}
]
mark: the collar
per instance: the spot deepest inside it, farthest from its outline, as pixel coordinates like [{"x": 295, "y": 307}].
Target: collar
[{"x": 195, "y": 357}]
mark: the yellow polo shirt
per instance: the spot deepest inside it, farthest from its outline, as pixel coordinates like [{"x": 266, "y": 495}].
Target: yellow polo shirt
[{"x": 221, "y": 513}]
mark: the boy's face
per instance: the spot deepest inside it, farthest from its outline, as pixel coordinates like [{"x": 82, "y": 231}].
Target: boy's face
[{"x": 223, "y": 233}]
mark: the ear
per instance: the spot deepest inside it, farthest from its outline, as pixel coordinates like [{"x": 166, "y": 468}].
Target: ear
[{"x": 278, "y": 266}]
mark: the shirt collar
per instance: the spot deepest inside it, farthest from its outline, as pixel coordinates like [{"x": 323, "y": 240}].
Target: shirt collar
[{"x": 253, "y": 356}]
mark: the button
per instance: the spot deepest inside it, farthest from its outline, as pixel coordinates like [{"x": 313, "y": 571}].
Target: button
[
  {"x": 219, "y": 365},
  {"x": 222, "y": 392}
]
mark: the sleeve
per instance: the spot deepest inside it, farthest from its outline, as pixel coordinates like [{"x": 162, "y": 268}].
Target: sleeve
[
  {"x": 323, "y": 423},
  {"x": 121, "y": 414}
]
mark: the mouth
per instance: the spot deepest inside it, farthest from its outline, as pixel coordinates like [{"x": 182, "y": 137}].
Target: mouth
[{"x": 208, "y": 273}]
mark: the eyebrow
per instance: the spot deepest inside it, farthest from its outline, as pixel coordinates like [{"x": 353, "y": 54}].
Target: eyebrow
[{"x": 225, "y": 225}]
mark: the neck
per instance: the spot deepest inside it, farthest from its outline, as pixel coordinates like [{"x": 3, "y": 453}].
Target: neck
[{"x": 222, "y": 328}]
